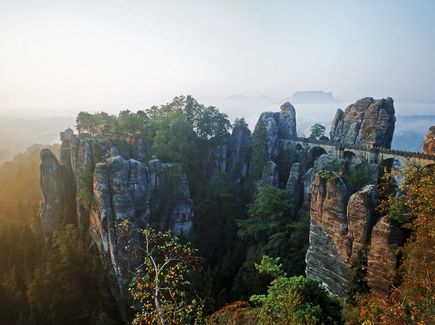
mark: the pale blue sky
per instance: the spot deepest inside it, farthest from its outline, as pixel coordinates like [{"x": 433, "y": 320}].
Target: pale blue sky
[{"x": 130, "y": 54}]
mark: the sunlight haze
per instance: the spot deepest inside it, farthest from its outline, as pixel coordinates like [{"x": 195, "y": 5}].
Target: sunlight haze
[{"x": 62, "y": 56}]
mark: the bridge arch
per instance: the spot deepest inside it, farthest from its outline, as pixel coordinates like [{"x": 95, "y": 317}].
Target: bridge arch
[{"x": 313, "y": 154}]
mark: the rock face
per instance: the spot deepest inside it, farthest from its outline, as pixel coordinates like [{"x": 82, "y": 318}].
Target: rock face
[
  {"x": 361, "y": 217},
  {"x": 286, "y": 120},
  {"x": 56, "y": 199},
  {"x": 294, "y": 188},
  {"x": 429, "y": 141},
  {"x": 382, "y": 257},
  {"x": 342, "y": 226},
  {"x": 328, "y": 254},
  {"x": 239, "y": 153},
  {"x": 102, "y": 184},
  {"x": 270, "y": 174},
  {"x": 368, "y": 122},
  {"x": 279, "y": 126}
]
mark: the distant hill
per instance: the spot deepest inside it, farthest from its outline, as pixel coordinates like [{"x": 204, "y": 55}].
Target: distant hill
[{"x": 313, "y": 97}]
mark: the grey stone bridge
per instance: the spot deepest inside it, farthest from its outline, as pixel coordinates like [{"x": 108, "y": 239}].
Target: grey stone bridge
[{"x": 395, "y": 158}]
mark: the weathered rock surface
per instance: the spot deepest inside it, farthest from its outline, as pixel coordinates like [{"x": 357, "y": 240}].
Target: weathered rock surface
[
  {"x": 239, "y": 153},
  {"x": 361, "y": 217},
  {"x": 270, "y": 174},
  {"x": 329, "y": 251},
  {"x": 286, "y": 120},
  {"x": 267, "y": 118},
  {"x": 382, "y": 257},
  {"x": 342, "y": 226},
  {"x": 279, "y": 125},
  {"x": 103, "y": 187},
  {"x": 325, "y": 162},
  {"x": 54, "y": 193},
  {"x": 429, "y": 141},
  {"x": 368, "y": 122},
  {"x": 217, "y": 160},
  {"x": 294, "y": 188}
]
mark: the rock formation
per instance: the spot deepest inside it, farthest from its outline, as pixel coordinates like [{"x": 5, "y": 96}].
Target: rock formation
[
  {"x": 270, "y": 174},
  {"x": 429, "y": 141},
  {"x": 341, "y": 227},
  {"x": 57, "y": 193},
  {"x": 102, "y": 187},
  {"x": 368, "y": 122},
  {"x": 239, "y": 153},
  {"x": 329, "y": 251},
  {"x": 383, "y": 256},
  {"x": 294, "y": 188},
  {"x": 361, "y": 217},
  {"x": 279, "y": 125}
]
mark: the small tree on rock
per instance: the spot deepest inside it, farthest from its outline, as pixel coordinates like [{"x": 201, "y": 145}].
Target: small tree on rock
[
  {"x": 159, "y": 287},
  {"x": 317, "y": 131}
]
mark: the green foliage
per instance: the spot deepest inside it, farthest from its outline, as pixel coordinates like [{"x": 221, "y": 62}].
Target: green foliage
[
  {"x": 85, "y": 188},
  {"x": 359, "y": 176},
  {"x": 271, "y": 266},
  {"x": 160, "y": 284},
  {"x": 62, "y": 286},
  {"x": 317, "y": 130},
  {"x": 285, "y": 159},
  {"x": 259, "y": 150},
  {"x": 174, "y": 139},
  {"x": 240, "y": 122},
  {"x": 269, "y": 230},
  {"x": 294, "y": 301},
  {"x": 99, "y": 124},
  {"x": 358, "y": 281},
  {"x": 217, "y": 206},
  {"x": 211, "y": 123},
  {"x": 49, "y": 282},
  {"x": 267, "y": 214}
]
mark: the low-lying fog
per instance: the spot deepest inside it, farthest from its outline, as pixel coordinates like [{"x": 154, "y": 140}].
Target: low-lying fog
[{"x": 20, "y": 129}]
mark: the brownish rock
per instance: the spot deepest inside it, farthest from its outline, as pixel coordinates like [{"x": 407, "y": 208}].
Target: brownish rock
[
  {"x": 340, "y": 228},
  {"x": 368, "y": 122},
  {"x": 361, "y": 217},
  {"x": 382, "y": 257},
  {"x": 329, "y": 251},
  {"x": 429, "y": 141}
]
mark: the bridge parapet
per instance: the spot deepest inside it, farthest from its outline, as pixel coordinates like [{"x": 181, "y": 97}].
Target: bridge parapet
[{"x": 399, "y": 153}]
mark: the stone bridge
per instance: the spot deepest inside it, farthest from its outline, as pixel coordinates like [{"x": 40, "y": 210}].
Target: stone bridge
[{"x": 394, "y": 158}]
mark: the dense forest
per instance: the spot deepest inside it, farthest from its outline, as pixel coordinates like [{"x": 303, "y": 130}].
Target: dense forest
[{"x": 245, "y": 261}]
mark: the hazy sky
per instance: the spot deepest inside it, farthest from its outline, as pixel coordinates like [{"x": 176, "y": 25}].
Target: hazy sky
[{"x": 86, "y": 54}]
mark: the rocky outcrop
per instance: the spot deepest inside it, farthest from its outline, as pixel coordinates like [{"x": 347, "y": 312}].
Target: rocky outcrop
[
  {"x": 239, "y": 153},
  {"x": 368, "y": 122},
  {"x": 429, "y": 141},
  {"x": 328, "y": 254},
  {"x": 325, "y": 162},
  {"x": 279, "y": 125},
  {"x": 270, "y": 174},
  {"x": 267, "y": 118},
  {"x": 56, "y": 194},
  {"x": 217, "y": 160},
  {"x": 361, "y": 217},
  {"x": 286, "y": 119},
  {"x": 294, "y": 188},
  {"x": 340, "y": 228},
  {"x": 383, "y": 256},
  {"x": 102, "y": 184}
]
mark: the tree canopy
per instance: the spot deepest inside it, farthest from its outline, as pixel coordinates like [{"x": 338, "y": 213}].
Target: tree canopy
[
  {"x": 317, "y": 130},
  {"x": 295, "y": 300}
]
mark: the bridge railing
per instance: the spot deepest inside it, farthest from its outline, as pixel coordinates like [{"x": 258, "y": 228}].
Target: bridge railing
[{"x": 402, "y": 153}]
